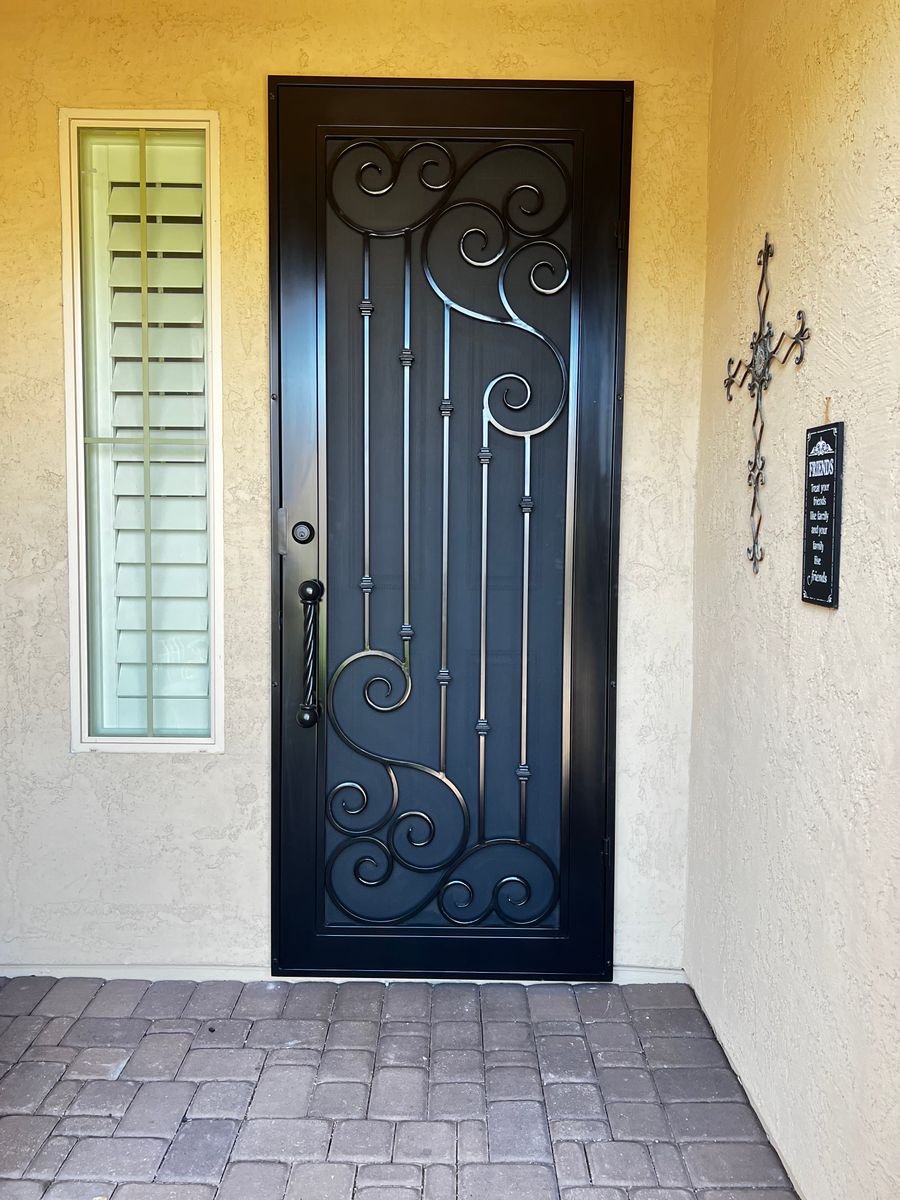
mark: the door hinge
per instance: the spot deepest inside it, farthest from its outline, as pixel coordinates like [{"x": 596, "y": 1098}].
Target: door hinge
[
  {"x": 281, "y": 545},
  {"x": 607, "y": 848},
  {"x": 621, "y": 229}
]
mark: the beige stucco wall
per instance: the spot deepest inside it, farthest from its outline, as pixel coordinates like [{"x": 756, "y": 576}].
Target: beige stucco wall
[
  {"x": 162, "y": 860},
  {"x": 793, "y": 936}
]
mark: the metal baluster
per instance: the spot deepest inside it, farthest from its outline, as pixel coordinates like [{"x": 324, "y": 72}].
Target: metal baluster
[
  {"x": 482, "y": 728},
  {"x": 406, "y": 358},
  {"x": 446, "y": 409},
  {"x": 366, "y": 309},
  {"x": 523, "y": 773}
]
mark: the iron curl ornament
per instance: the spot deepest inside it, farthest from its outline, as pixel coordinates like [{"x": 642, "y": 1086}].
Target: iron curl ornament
[
  {"x": 435, "y": 843},
  {"x": 764, "y": 351}
]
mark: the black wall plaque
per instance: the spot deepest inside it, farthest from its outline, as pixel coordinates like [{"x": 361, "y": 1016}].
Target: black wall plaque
[{"x": 823, "y": 470}]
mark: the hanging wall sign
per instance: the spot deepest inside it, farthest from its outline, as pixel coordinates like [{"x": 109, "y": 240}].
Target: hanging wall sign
[{"x": 822, "y": 513}]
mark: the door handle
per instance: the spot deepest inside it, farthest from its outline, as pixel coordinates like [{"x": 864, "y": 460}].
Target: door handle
[{"x": 311, "y": 592}]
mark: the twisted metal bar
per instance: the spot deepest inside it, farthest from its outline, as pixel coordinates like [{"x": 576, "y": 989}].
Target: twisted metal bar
[{"x": 311, "y": 592}]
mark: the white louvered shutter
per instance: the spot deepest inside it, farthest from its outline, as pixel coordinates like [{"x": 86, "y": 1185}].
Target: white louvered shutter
[{"x": 146, "y": 444}]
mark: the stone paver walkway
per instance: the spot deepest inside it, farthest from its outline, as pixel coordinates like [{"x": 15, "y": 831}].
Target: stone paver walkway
[{"x": 313, "y": 1091}]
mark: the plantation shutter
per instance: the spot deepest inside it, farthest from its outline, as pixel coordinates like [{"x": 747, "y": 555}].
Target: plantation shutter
[{"x": 145, "y": 431}]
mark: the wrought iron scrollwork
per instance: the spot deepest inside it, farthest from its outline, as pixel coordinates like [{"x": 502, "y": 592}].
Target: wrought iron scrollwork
[
  {"x": 387, "y": 167},
  {"x": 758, "y": 369},
  {"x": 468, "y": 881}
]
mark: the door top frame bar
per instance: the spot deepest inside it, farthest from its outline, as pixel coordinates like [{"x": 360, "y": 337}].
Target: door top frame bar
[{"x": 626, "y": 86}]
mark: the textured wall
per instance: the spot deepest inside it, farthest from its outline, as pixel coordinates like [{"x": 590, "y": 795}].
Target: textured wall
[
  {"x": 165, "y": 859},
  {"x": 793, "y": 936}
]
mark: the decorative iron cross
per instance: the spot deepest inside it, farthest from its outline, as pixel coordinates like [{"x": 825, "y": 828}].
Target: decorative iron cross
[{"x": 758, "y": 369}]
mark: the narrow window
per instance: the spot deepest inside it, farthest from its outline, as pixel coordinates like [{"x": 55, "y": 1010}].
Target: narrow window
[{"x": 144, "y": 435}]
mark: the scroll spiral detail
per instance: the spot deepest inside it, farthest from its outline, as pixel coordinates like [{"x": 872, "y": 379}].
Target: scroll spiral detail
[{"x": 379, "y": 836}]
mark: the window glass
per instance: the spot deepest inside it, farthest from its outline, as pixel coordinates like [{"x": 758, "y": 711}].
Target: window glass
[{"x": 146, "y": 503}]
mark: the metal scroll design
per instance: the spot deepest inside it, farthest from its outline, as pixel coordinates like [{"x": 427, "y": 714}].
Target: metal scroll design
[
  {"x": 381, "y": 835},
  {"x": 757, "y": 368}
]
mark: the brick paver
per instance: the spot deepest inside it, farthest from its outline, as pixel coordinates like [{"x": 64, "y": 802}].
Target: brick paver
[{"x": 132, "y": 1090}]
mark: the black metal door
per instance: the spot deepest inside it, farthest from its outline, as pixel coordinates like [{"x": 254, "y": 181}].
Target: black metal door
[{"x": 448, "y": 278}]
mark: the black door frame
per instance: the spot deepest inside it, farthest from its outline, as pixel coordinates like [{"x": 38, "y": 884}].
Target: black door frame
[{"x": 595, "y": 608}]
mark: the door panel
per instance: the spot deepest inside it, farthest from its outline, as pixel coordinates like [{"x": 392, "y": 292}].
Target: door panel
[{"x": 448, "y": 290}]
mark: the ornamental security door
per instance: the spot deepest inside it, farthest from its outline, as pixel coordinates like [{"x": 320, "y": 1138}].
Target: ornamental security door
[{"x": 448, "y": 287}]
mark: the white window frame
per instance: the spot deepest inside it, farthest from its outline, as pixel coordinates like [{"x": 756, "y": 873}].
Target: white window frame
[{"x": 72, "y": 120}]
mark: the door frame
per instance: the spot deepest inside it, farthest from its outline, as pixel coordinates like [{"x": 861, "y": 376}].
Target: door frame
[{"x": 606, "y": 605}]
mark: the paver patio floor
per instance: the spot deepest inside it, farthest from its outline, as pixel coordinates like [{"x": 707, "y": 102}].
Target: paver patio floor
[{"x": 317, "y": 1091}]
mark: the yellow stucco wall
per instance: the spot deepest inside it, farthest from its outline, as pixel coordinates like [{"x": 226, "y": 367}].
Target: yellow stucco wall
[
  {"x": 793, "y": 911},
  {"x": 161, "y": 860}
]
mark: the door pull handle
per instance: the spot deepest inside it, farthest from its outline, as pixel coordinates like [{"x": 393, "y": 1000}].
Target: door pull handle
[{"x": 311, "y": 592}]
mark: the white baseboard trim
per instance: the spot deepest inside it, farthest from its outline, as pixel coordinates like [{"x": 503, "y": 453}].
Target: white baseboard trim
[
  {"x": 624, "y": 973},
  {"x": 629, "y": 973}
]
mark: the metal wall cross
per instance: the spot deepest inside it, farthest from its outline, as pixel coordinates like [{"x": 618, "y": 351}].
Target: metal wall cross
[{"x": 758, "y": 369}]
